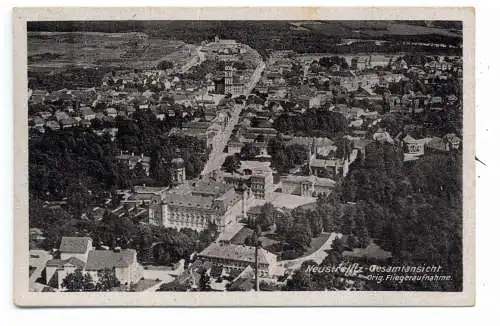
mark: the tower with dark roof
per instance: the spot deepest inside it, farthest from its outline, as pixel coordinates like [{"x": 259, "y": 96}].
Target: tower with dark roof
[
  {"x": 242, "y": 189},
  {"x": 178, "y": 171}
]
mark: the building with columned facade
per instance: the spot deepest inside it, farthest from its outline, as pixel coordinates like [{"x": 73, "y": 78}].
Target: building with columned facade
[{"x": 306, "y": 186}]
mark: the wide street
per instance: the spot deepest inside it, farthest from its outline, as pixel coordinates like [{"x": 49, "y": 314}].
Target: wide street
[
  {"x": 217, "y": 155},
  {"x": 318, "y": 256}
]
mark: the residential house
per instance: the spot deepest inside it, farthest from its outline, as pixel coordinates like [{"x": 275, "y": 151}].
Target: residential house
[
  {"x": 235, "y": 145},
  {"x": 399, "y": 64},
  {"x": 324, "y": 163},
  {"x": 99, "y": 116},
  {"x": 56, "y": 270},
  {"x": 68, "y": 122},
  {"x": 381, "y": 135},
  {"x": 86, "y": 113},
  {"x": 53, "y": 125},
  {"x": 38, "y": 96},
  {"x": 60, "y": 115},
  {"x": 78, "y": 247},
  {"x": 37, "y": 122},
  {"x": 447, "y": 143},
  {"x": 122, "y": 262},
  {"x": 414, "y": 148},
  {"x": 131, "y": 160},
  {"x": 45, "y": 114},
  {"x": 452, "y": 141},
  {"x": 252, "y": 133},
  {"x": 73, "y": 252},
  {"x": 305, "y": 97},
  {"x": 111, "y": 112},
  {"x": 85, "y": 123}
]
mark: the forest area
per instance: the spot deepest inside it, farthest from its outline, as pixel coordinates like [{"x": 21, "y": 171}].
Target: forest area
[
  {"x": 413, "y": 210},
  {"x": 79, "y": 169},
  {"x": 89, "y": 159},
  {"x": 170, "y": 245},
  {"x": 313, "y": 123}
]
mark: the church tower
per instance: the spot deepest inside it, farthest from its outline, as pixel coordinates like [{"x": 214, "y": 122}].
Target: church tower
[
  {"x": 243, "y": 190},
  {"x": 345, "y": 168},
  {"x": 178, "y": 171},
  {"x": 228, "y": 77}
]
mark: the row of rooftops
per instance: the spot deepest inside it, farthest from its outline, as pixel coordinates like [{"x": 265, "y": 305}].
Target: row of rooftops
[
  {"x": 83, "y": 115},
  {"x": 123, "y": 95},
  {"x": 274, "y": 70},
  {"x": 97, "y": 260},
  {"x": 237, "y": 253}
]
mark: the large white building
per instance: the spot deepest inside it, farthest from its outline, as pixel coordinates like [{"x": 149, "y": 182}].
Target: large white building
[
  {"x": 196, "y": 204},
  {"x": 193, "y": 204}
]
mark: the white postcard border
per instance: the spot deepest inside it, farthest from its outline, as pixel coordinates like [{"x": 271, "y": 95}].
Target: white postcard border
[{"x": 22, "y": 296}]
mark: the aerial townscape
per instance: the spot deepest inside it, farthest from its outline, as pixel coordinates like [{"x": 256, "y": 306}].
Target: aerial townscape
[{"x": 234, "y": 155}]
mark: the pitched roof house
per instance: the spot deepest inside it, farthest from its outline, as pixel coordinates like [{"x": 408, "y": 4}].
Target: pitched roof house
[
  {"x": 87, "y": 113},
  {"x": 78, "y": 247},
  {"x": 122, "y": 261}
]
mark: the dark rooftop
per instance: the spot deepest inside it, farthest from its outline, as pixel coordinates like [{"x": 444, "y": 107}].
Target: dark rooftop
[
  {"x": 109, "y": 259},
  {"x": 75, "y": 245}
]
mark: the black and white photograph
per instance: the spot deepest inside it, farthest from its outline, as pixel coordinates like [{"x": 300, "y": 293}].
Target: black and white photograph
[{"x": 235, "y": 156}]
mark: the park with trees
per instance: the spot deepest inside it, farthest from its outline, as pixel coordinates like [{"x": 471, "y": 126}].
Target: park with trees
[
  {"x": 313, "y": 123},
  {"x": 412, "y": 210}
]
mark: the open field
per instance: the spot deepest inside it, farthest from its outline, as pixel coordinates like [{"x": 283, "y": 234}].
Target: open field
[
  {"x": 302, "y": 36},
  {"x": 90, "y": 49}
]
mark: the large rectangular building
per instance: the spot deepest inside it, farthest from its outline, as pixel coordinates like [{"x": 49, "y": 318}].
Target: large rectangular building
[
  {"x": 258, "y": 176},
  {"x": 306, "y": 186},
  {"x": 197, "y": 204},
  {"x": 238, "y": 257}
]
